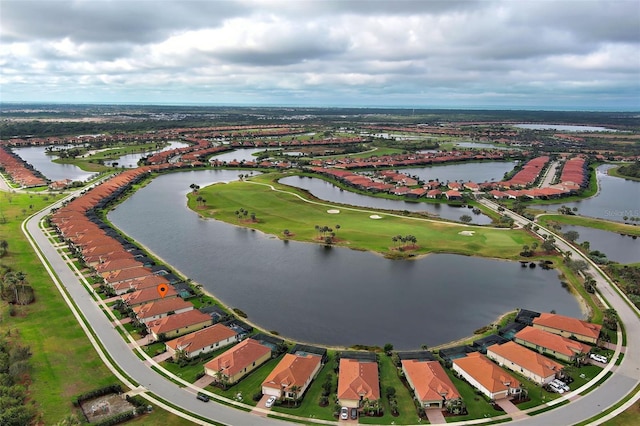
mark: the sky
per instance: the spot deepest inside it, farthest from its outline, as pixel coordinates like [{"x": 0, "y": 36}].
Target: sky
[{"x": 512, "y": 54}]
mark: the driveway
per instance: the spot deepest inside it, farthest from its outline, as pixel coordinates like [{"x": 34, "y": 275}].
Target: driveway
[
  {"x": 435, "y": 416},
  {"x": 510, "y": 408}
]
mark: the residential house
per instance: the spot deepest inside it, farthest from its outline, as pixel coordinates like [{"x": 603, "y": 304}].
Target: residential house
[
  {"x": 231, "y": 366},
  {"x": 161, "y": 308},
  {"x": 553, "y": 344},
  {"x": 569, "y": 327},
  {"x": 486, "y": 376},
  {"x": 528, "y": 363},
  {"x": 146, "y": 295},
  {"x": 430, "y": 383},
  {"x": 357, "y": 381},
  {"x": 203, "y": 341},
  {"x": 292, "y": 376},
  {"x": 178, "y": 324}
]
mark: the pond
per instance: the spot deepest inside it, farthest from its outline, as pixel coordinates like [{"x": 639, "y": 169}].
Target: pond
[
  {"x": 564, "y": 128},
  {"x": 475, "y": 171},
  {"x": 246, "y": 154},
  {"x": 328, "y": 191},
  {"x": 131, "y": 160},
  {"x": 619, "y": 248},
  {"x": 36, "y": 156},
  {"x": 333, "y": 296},
  {"x": 616, "y": 199}
]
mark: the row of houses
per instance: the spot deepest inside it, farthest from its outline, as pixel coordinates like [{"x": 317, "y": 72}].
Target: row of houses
[{"x": 20, "y": 172}]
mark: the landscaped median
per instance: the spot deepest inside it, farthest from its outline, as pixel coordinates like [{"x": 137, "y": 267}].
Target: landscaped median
[{"x": 290, "y": 213}]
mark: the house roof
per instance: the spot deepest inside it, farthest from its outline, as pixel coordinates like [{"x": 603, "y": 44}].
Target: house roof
[
  {"x": 292, "y": 370},
  {"x": 551, "y": 341},
  {"x": 430, "y": 381},
  {"x": 572, "y": 325},
  {"x": 200, "y": 339},
  {"x": 237, "y": 358},
  {"x": 177, "y": 321},
  {"x": 161, "y": 306},
  {"x": 485, "y": 372},
  {"x": 147, "y": 294},
  {"x": 358, "y": 378},
  {"x": 526, "y": 358}
]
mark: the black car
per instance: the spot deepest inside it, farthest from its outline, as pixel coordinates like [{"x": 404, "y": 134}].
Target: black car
[
  {"x": 202, "y": 397},
  {"x": 354, "y": 413}
]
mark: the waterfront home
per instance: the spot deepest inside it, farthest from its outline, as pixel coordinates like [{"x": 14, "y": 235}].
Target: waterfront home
[
  {"x": 146, "y": 295},
  {"x": 486, "y": 376},
  {"x": 178, "y": 324},
  {"x": 292, "y": 376},
  {"x": 357, "y": 381},
  {"x": 203, "y": 341},
  {"x": 563, "y": 348},
  {"x": 149, "y": 281},
  {"x": 161, "y": 308},
  {"x": 569, "y": 327},
  {"x": 122, "y": 275},
  {"x": 430, "y": 383},
  {"x": 530, "y": 364},
  {"x": 231, "y": 366}
]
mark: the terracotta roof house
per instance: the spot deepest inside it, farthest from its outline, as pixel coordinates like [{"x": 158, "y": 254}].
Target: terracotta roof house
[
  {"x": 430, "y": 383},
  {"x": 530, "y": 364},
  {"x": 121, "y": 275},
  {"x": 139, "y": 284},
  {"x": 548, "y": 343},
  {"x": 116, "y": 264},
  {"x": 161, "y": 308},
  {"x": 568, "y": 327},
  {"x": 357, "y": 381},
  {"x": 292, "y": 376},
  {"x": 231, "y": 366},
  {"x": 453, "y": 195},
  {"x": 203, "y": 341},
  {"x": 178, "y": 324},
  {"x": 486, "y": 376},
  {"x": 146, "y": 295}
]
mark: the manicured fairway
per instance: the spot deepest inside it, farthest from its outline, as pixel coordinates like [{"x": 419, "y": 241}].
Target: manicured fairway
[{"x": 277, "y": 211}]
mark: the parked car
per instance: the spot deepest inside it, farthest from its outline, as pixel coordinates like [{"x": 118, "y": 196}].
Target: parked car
[
  {"x": 561, "y": 384},
  {"x": 344, "y": 413},
  {"x": 599, "y": 358},
  {"x": 555, "y": 388},
  {"x": 354, "y": 413},
  {"x": 202, "y": 397},
  {"x": 270, "y": 402}
]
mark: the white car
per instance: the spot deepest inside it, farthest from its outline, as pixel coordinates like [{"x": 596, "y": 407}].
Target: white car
[
  {"x": 562, "y": 385},
  {"x": 270, "y": 402},
  {"x": 599, "y": 358},
  {"x": 556, "y": 388},
  {"x": 344, "y": 413}
]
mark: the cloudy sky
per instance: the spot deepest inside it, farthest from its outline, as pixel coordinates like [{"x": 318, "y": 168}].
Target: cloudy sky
[{"x": 571, "y": 54}]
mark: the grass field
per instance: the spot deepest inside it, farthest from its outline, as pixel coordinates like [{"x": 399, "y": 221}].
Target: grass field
[
  {"x": 64, "y": 364},
  {"x": 276, "y": 211}
]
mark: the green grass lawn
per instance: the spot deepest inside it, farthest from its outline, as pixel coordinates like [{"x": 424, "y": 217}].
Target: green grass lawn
[
  {"x": 406, "y": 407},
  {"x": 277, "y": 211}
]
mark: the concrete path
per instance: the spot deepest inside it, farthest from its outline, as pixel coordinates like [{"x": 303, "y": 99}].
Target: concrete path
[
  {"x": 435, "y": 416},
  {"x": 203, "y": 381},
  {"x": 511, "y": 409}
]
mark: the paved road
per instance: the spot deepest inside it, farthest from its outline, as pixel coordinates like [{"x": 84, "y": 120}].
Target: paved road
[
  {"x": 123, "y": 355},
  {"x": 624, "y": 378}
]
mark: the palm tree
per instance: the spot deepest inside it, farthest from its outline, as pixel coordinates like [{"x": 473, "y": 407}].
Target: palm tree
[{"x": 293, "y": 391}]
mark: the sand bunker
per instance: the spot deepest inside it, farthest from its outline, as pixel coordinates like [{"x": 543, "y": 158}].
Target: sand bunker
[
  {"x": 333, "y": 211},
  {"x": 467, "y": 233},
  {"x": 375, "y": 216}
]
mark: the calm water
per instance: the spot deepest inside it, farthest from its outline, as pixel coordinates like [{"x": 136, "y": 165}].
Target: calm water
[
  {"x": 331, "y": 296},
  {"x": 564, "y": 128},
  {"x": 479, "y": 145},
  {"x": 131, "y": 160},
  {"x": 328, "y": 191},
  {"x": 619, "y": 248},
  {"x": 36, "y": 156},
  {"x": 246, "y": 154},
  {"x": 474, "y": 172},
  {"x": 616, "y": 199}
]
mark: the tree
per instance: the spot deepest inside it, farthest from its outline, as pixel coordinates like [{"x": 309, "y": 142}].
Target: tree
[
  {"x": 571, "y": 236},
  {"x": 610, "y": 319},
  {"x": 388, "y": 347},
  {"x": 293, "y": 392},
  {"x": 465, "y": 218},
  {"x": 549, "y": 244},
  {"x": 4, "y": 247}
]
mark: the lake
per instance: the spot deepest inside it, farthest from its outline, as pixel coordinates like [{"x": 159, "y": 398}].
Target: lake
[
  {"x": 473, "y": 171},
  {"x": 36, "y": 156},
  {"x": 131, "y": 160},
  {"x": 619, "y": 248},
  {"x": 331, "y": 296}
]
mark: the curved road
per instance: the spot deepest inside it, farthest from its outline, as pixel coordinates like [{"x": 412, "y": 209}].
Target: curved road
[{"x": 622, "y": 382}]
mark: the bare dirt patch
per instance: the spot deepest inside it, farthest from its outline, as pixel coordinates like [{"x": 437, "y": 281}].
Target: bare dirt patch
[{"x": 100, "y": 408}]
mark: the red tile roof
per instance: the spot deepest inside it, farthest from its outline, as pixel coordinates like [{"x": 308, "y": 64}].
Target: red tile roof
[
  {"x": 554, "y": 342},
  {"x": 572, "y": 325},
  {"x": 526, "y": 358},
  {"x": 358, "y": 379},
  {"x": 201, "y": 339},
  {"x": 177, "y": 321},
  {"x": 292, "y": 370},
  {"x": 430, "y": 381},
  {"x": 237, "y": 358},
  {"x": 485, "y": 372}
]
